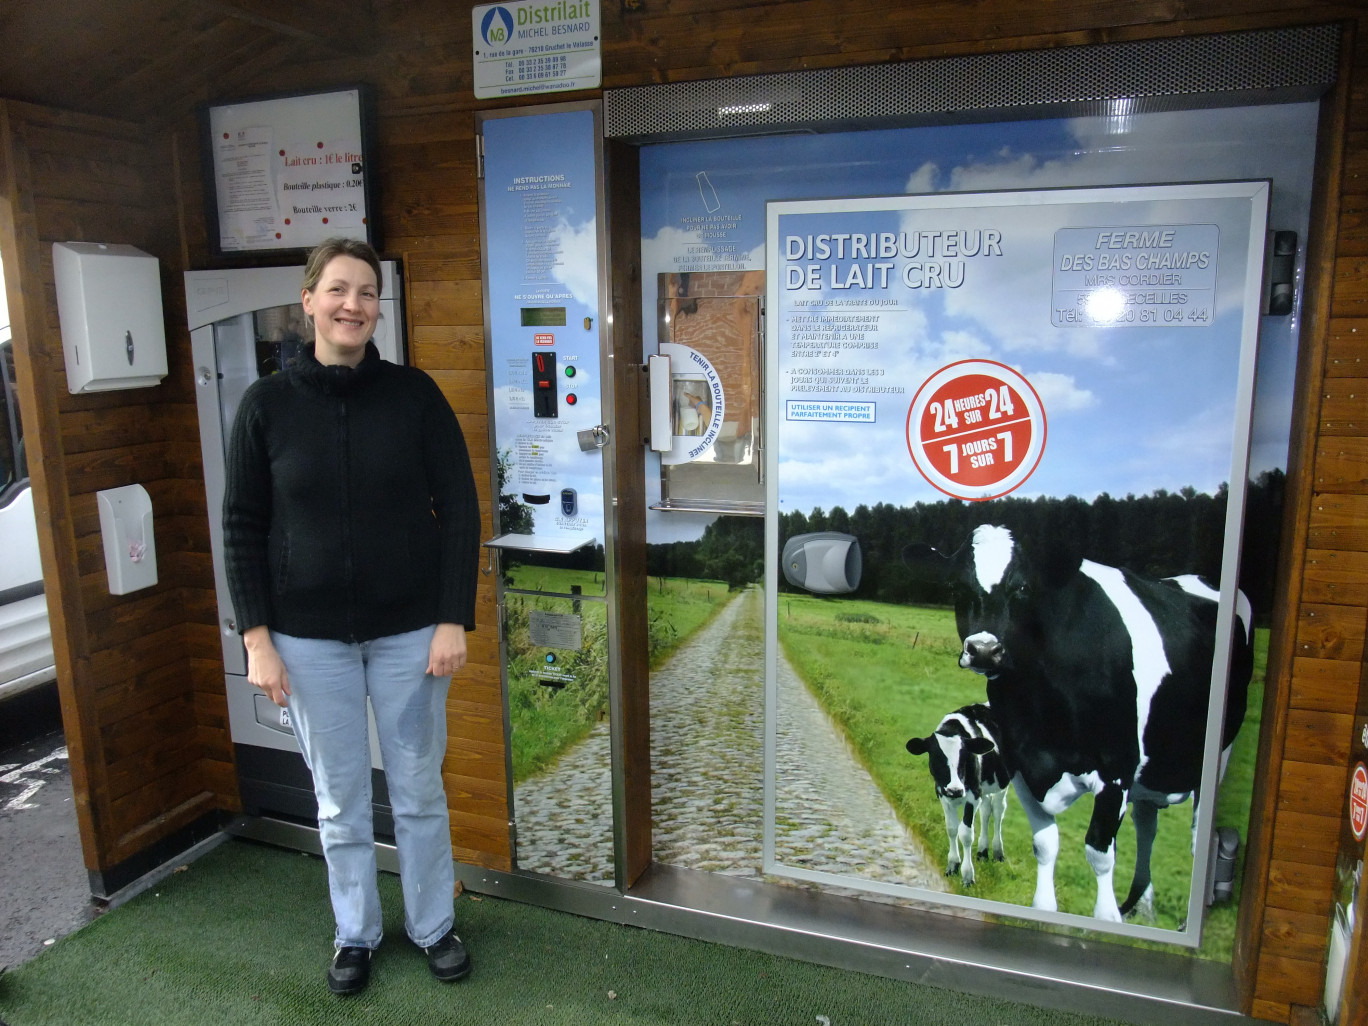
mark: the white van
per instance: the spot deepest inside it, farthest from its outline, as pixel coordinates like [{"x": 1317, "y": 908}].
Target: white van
[{"x": 25, "y": 637}]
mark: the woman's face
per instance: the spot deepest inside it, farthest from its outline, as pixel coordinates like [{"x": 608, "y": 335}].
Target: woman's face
[{"x": 345, "y": 307}]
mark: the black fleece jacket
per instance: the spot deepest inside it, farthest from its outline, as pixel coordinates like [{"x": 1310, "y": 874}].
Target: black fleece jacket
[{"x": 350, "y": 511}]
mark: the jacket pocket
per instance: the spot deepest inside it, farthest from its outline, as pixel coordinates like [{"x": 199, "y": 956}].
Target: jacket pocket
[{"x": 398, "y": 565}]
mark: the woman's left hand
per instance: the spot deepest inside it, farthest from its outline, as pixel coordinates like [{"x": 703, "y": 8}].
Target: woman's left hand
[{"x": 447, "y": 654}]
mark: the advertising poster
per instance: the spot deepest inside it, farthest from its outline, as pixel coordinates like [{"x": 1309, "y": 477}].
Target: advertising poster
[
  {"x": 542, "y": 265},
  {"x": 929, "y": 359},
  {"x": 860, "y": 673}
]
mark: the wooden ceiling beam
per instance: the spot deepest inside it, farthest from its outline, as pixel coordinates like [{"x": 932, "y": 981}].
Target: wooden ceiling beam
[{"x": 348, "y": 28}]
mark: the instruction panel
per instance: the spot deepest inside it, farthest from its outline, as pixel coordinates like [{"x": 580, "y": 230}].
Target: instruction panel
[{"x": 542, "y": 249}]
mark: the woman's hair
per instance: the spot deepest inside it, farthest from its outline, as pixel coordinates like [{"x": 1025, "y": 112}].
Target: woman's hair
[{"x": 329, "y": 248}]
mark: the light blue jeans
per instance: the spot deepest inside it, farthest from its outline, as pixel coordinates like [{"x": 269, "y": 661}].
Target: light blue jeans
[{"x": 329, "y": 684}]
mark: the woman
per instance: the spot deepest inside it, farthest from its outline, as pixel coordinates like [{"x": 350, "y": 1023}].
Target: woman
[{"x": 351, "y": 531}]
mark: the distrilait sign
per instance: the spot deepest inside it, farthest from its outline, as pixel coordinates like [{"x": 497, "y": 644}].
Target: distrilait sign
[{"x": 532, "y": 46}]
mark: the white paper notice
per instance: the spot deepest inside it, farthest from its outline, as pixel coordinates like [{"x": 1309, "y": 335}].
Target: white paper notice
[{"x": 247, "y": 200}]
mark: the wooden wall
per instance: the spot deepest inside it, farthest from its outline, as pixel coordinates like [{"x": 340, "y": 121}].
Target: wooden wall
[
  {"x": 1319, "y": 636},
  {"x": 148, "y": 665},
  {"x": 140, "y": 676}
]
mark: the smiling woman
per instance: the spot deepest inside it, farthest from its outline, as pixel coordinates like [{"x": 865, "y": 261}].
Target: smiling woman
[
  {"x": 351, "y": 532},
  {"x": 341, "y": 295}
]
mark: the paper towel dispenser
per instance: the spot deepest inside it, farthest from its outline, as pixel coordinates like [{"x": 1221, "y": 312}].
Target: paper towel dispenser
[{"x": 110, "y": 308}]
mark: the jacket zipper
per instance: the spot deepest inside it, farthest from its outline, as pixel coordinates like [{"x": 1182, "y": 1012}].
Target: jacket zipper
[{"x": 345, "y": 477}]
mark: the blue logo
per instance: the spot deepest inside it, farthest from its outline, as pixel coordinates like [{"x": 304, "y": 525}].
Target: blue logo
[{"x": 497, "y": 27}]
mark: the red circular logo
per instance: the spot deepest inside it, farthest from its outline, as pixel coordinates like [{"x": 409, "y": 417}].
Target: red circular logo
[
  {"x": 976, "y": 429},
  {"x": 1358, "y": 802}
]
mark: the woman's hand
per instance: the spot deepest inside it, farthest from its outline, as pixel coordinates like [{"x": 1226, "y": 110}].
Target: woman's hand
[
  {"x": 265, "y": 668},
  {"x": 447, "y": 653}
]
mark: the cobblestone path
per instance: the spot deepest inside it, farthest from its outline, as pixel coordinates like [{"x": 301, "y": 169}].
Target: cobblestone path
[{"x": 707, "y": 715}]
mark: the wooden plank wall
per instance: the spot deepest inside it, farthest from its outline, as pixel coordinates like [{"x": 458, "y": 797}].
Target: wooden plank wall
[
  {"x": 139, "y": 675},
  {"x": 433, "y": 222},
  {"x": 1285, "y": 914}
]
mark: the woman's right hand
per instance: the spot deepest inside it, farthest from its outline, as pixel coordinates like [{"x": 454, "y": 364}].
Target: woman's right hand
[{"x": 265, "y": 668}]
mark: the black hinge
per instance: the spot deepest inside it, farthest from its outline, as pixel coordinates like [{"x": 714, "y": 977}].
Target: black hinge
[{"x": 1280, "y": 273}]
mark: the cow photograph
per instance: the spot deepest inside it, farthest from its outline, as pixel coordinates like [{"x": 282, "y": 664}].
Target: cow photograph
[
  {"x": 971, "y": 779},
  {"x": 1100, "y": 681},
  {"x": 1019, "y": 555},
  {"x": 1068, "y": 777}
]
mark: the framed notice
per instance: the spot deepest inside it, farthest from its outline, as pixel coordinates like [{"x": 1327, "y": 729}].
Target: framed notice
[
  {"x": 1008, "y": 437},
  {"x": 286, "y": 172}
]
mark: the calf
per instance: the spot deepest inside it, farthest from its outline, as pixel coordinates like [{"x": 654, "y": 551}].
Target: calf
[
  {"x": 968, "y": 772},
  {"x": 1099, "y": 681}
]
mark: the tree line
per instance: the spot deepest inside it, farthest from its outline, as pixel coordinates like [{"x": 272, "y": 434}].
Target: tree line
[{"x": 1156, "y": 535}]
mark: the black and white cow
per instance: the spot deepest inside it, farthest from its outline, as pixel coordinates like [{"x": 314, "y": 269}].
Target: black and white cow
[
  {"x": 1099, "y": 681},
  {"x": 971, "y": 781}
]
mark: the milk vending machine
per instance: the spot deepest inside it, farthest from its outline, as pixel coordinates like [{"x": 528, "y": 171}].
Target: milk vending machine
[{"x": 246, "y": 323}]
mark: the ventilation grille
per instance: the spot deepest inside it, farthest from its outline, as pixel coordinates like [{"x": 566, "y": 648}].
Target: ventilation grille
[{"x": 1114, "y": 78}]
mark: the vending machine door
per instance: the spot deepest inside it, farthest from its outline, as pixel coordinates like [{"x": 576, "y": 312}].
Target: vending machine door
[{"x": 545, "y": 337}]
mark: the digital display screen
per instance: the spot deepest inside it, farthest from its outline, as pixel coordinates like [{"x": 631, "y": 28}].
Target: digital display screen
[{"x": 543, "y": 317}]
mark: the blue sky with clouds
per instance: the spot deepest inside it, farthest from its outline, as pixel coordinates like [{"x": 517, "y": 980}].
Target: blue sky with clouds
[
  {"x": 1129, "y": 409},
  {"x": 1169, "y": 440}
]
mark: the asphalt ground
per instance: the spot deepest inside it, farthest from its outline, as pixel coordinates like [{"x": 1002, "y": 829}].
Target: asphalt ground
[{"x": 44, "y": 889}]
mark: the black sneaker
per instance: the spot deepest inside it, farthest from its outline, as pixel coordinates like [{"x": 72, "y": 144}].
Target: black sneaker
[
  {"x": 350, "y": 970},
  {"x": 448, "y": 959}
]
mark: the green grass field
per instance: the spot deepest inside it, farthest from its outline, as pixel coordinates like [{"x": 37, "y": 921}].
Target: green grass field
[
  {"x": 886, "y": 673},
  {"x": 547, "y": 721}
]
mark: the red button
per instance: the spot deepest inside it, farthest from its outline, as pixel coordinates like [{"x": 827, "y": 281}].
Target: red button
[{"x": 570, "y": 399}]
